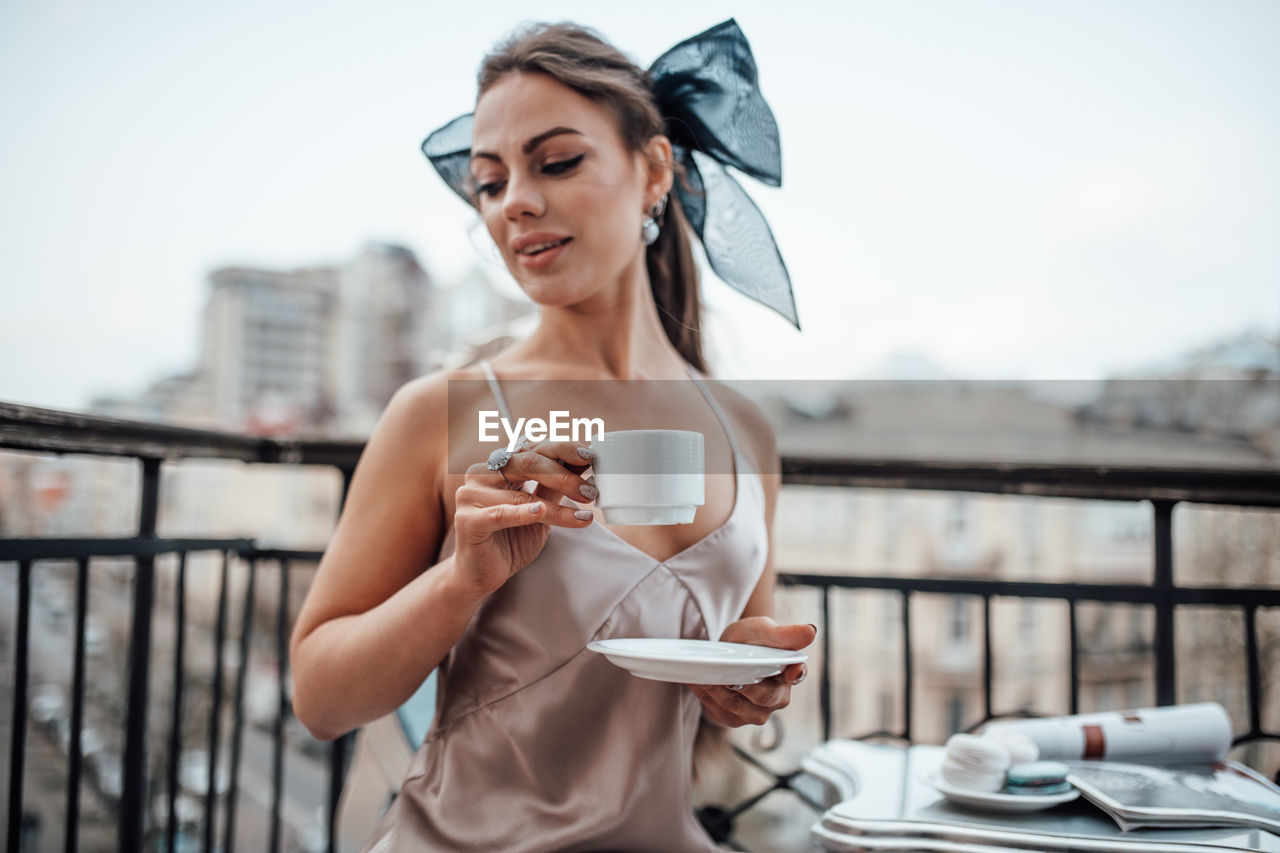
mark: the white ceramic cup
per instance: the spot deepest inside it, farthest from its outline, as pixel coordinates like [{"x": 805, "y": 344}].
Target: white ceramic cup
[{"x": 649, "y": 476}]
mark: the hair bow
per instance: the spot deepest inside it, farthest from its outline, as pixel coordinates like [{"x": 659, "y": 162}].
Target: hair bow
[{"x": 707, "y": 90}]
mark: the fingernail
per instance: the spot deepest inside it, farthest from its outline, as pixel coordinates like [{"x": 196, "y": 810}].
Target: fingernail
[
  {"x": 803, "y": 672},
  {"x": 535, "y": 508},
  {"x": 814, "y": 627},
  {"x": 582, "y": 514},
  {"x": 588, "y": 491},
  {"x": 586, "y": 453}
]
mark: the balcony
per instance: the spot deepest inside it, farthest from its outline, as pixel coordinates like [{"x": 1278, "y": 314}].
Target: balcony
[{"x": 211, "y": 679}]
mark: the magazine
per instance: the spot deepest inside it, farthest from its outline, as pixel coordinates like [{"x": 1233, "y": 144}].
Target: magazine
[
  {"x": 836, "y": 832},
  {"x": 1143, "y": 795}
]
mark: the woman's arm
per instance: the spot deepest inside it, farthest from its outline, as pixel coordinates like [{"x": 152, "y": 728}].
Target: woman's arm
[{"x": 374, "y": 624}]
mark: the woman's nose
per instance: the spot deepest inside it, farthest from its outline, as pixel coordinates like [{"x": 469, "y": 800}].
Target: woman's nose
[{"x": 522, "y": 198}]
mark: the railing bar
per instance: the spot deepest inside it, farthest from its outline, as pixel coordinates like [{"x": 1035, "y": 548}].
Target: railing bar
[
  {"x": 337, "y": 770},
  {"x": 339, "y": 748},
  {"x": 282, "y": 674},
  {"x": 1082, "y": 482},
  {"x": 215, "y": 716},
  {"x": 1255, "y": 672},
  {"x": 1162, "y": 585},
  {"x": 824, "y": 694},
  {"x": 1074, "y": 627},
  {"x": 18, "y": 734},
  {"x": 751, "y": 801},
  {"x": 807, "y": 800},
  {"x": 175, "y": 723},
  {"x": 1114, "y": 593},
  {"x": 51, "y": 431},
  {"x": 986, "y": 657},
  {"x": 291, "y": 554},
  {"x": 237, "y": 730},
  {"x": 906, "y": 666},
  {"x": 132, "y": 801},
  {"x": 754, "y": 762},
  {"x": 75, "y": 769},
  {"x": 50, "y": 548},
  {"x": 1252, "y": 736},
  {"x": 347, "y": 474},
  {"x": 881, "y": 734}
]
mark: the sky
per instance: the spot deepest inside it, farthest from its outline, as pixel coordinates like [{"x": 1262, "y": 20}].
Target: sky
[{"x": 1006, "y": 190}]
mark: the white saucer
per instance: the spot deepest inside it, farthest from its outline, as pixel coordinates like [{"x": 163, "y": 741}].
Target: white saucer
[
  {"x": 996, "y": 802},
  {"x": 696, "y": 661}
]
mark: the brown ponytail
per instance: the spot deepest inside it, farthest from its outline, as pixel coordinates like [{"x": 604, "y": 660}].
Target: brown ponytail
[{"x": 583, "y": 61}]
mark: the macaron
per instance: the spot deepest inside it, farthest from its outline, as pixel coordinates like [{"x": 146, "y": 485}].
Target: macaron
[
  {"x": 975, "y": 763},
  {"x": 1037, "y": 778}
]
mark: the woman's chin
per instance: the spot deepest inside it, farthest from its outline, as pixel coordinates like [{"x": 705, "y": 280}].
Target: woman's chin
[{"x": 547, "y": 294}]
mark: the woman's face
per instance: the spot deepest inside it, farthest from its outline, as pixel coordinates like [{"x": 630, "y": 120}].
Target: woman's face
[{"x": 561, "y": 195}]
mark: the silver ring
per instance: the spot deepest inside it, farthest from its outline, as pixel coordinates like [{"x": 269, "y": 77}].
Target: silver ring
[{"x": 498, "y": 459}]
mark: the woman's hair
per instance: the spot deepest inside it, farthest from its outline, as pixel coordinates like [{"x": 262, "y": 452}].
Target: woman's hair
[{"x": 583, "y": 61}]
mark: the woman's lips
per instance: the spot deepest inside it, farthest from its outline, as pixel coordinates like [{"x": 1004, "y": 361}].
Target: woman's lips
[{"x": 542, "y": 259}]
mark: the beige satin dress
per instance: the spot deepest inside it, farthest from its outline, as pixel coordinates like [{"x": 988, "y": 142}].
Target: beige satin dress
[{"x": 538, "y": 743}]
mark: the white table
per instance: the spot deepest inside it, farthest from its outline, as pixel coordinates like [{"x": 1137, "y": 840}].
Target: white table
[{"x": 880, "y": 803}]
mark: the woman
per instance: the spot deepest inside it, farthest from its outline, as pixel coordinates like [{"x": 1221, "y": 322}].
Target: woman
[{"x": 539, "y": 743}]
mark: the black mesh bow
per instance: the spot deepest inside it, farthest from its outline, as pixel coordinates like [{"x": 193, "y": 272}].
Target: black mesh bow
[{"x": 715, "y": 116}]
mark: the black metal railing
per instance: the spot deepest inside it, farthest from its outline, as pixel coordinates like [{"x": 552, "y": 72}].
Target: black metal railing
[
  {"x": 1162, "y": 488},
  {"x": 45, "y": 431},
  {"x": 40, "y": 430}
]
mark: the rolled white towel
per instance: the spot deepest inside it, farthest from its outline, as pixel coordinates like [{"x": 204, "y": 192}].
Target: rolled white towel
[
  {"x": 1022, "y": 749},
  {"x": 976, "y": 763}
]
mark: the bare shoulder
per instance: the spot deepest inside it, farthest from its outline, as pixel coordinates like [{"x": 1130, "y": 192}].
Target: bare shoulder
[
  {"x": 425, "y": 403},
  {"x": 752, "y": 427},
  {"x": 413, "y": 432}
]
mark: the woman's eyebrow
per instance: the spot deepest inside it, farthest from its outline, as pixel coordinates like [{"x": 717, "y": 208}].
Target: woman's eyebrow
[{"x": 529, "y": 146}]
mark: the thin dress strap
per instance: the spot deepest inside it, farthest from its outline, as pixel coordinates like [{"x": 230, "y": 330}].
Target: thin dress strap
[
  {"x": 495, "y": 388},
  {"x": 715, "y": 407}
]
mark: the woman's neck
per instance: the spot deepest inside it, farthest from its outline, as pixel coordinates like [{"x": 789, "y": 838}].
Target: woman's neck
[{"x": 616, "y": 334}]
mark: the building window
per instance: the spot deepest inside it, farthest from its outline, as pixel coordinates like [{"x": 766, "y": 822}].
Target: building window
[
  {"x": 959, "y": 619},
  {"x": 1136, "y": 694},
  {"x": 892, "y": 526},
  {"x": 955, "y": 713},
  {"x": 886, "y": 710},
  {"x": 1027, "y": 620},
  {"x": 1105, "y": 694},
  {"x": 958, "y": 532},
  {"x": 1031, "y": 534}
]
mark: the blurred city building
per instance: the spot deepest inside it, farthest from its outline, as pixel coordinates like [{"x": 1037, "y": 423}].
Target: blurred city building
[
  {"x": 311, "y": 351},
  {"x": 1216, "y": 408},
  {"x": 320, "y": 349}
]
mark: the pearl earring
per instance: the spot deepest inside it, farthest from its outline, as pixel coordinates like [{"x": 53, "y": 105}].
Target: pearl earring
[{"x": 649, "y": 228}]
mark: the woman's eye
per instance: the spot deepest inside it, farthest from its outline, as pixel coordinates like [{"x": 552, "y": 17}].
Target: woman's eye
[
  {"x": 490, "y": 189},
  {"x": 562, "y": 166}
]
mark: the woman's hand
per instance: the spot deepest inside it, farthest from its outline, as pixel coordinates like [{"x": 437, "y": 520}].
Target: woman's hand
[
  {"x": 752, "y": 704},
  {"x": 499, "y": 527}
]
